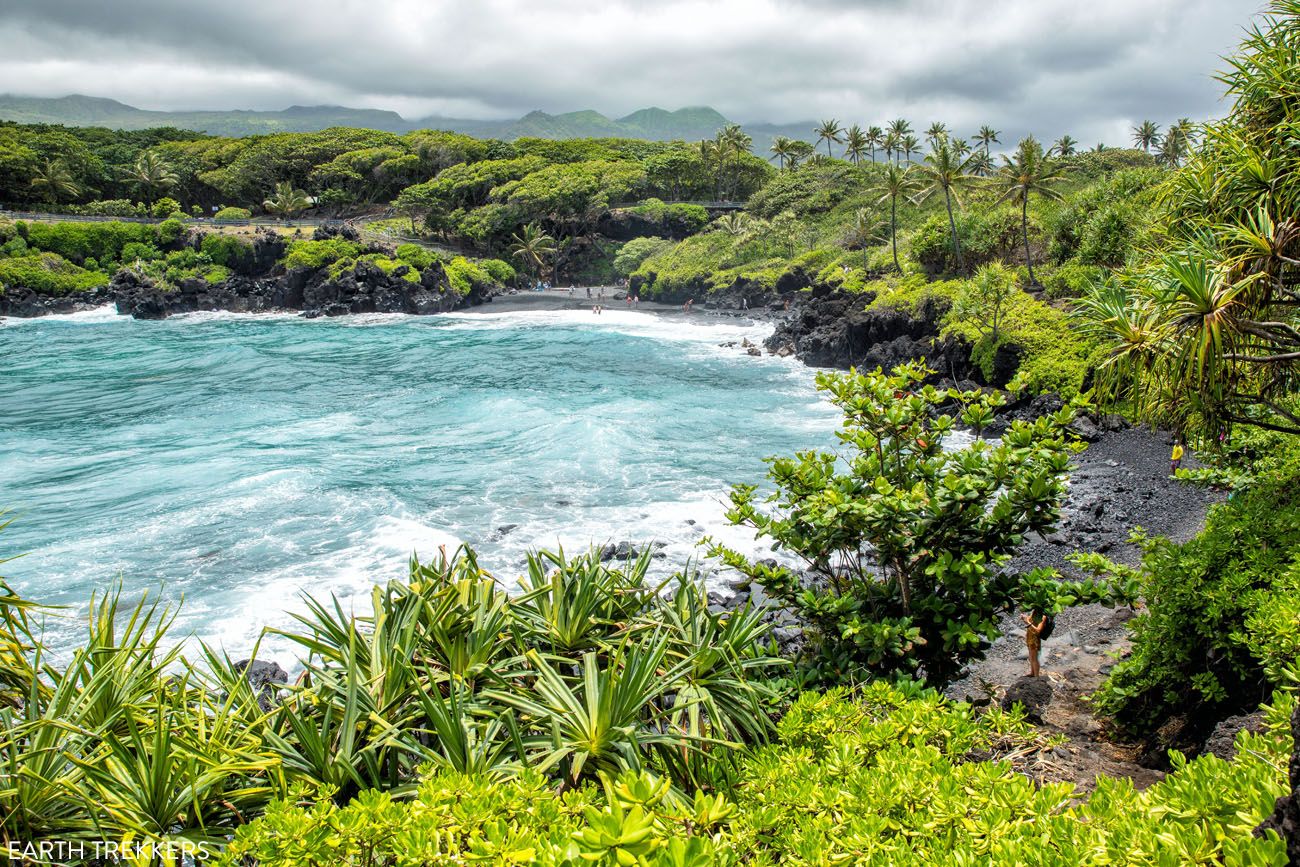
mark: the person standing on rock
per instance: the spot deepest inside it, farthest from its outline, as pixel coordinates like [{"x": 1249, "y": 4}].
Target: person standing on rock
[
  {"x": 1176, "y": 457},
  {"x": 1035, "y": 632}
]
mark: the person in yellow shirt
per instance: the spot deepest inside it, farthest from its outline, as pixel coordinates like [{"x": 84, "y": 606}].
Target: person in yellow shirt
[{"x": 1175, "y": 457}]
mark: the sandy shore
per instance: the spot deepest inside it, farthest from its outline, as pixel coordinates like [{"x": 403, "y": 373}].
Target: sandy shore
[{"x": 560, "y": 299}]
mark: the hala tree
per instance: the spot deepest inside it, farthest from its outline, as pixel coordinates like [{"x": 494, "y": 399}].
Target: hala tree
[
  {"x": 1205, "y": 334},
  {"x": 903, "y": 544}
]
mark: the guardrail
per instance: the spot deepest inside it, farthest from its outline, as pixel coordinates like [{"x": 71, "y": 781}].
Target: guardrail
[{"x": 44, "y": 216}]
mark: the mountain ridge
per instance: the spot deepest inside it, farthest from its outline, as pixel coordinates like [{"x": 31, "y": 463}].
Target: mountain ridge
[{"x": 689, "y": 123}]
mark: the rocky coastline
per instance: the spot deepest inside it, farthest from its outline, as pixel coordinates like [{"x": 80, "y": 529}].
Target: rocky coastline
[{"x": 265, "y": 287}]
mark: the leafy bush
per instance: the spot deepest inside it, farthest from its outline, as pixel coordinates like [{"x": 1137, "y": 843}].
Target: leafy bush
[
  {"x": 318, "y": 254},
  {"x": 465, "y": 274},
  {"x": 885, "y": 777},
  {"x": 229, "y": 251},
  {"x": 940, "y": 526},
  {"x": 233, "y": 214},
  {"x": 416, "y": 256},
  {"x": 49, "y": 273},
  {"x": 113, "y": 208},
  {"x": 634, "y": 252},
  {"x": 78, "y": 241},
  {"x": 501, "y": 273},
  {"x": 1220, "y": 625},
  {"x": 166, "y": 207},
  {"x": 1071, "y": 280}
]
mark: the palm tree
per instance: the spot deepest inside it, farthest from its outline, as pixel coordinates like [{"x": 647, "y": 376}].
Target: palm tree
[
  {"x": 875, "y": 138},
  {"x": 1145, "y": 135},
  {"x": 896, "y": 181},
  {"x": 1187, "y": 129},
  {"x": 1064, "y": 147},
  {"x": 945, "y": 170},
  {"x": 910, "y": 145},
  {"x": 1173, "y": 148},
  {"x": 286, "y": 201},
  {"x": 1099, "y": 148},
  {"x": 936, "y": 131},
  {"x": 710, "y": 151},
  {"x": 899, "y": 128},
  {"x": 533, "y": 247},
  {"x": 864, "y": 231},
  {"x": 734, "y": 141},
  {"x": 987, "y": 136},
  {"x": 153, "y": 174},
  {"x": 890, "y": 144},
  {"x": 981, "y": 164},
  {"x": 1026, "y": 173},
  {"x": 828, "y": 131},
  {"x": 54, "y": 179},
  {"x": 782, "y": 150},
  {"x": 855, "y": 144}
]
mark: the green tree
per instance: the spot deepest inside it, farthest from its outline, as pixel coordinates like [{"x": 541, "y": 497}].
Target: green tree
[
  {"x": 1205, "y": 334},
  {"x": 899, "y": 129},
  {"x": 1023, "y": 175},
  {"x": 987, "y": 136},
  {"x": 54, "y": 181},
  {"x": 946, "y": 171},
  {"x": 1065, "y": 146},
  {"x": 910, "y": 145},
  {"x": 286, "y": 201},
  {"x": 533, "y": 247},
  {"x": 855, "y": 144},
  {"x": 907, "y": 541},
  {"x": 982, "y": 301},
  {"x": 829, "y": 131},
  {"x": 1146, "y": 134},
  {"x": 782, "y": 149},
  {"x": 153, "y": 175},
  {"x": 936, "y": 131},
  {"x": 875, "y": 139},
  {"x": 896, "y": 182}
]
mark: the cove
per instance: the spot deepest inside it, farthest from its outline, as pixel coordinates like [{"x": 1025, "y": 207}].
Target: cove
[{"x": 242, "y": 460}]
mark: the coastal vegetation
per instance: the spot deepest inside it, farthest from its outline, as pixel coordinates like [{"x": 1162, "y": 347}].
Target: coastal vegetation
[{"x": 598, "y": 716}]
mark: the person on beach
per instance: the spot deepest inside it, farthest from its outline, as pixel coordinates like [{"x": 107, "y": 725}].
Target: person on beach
[
  {"x": 744, "y": 303},
  {"x": 1038, "y": 626},
  {"x": 589, "y": 292},
  {"x": 1176, "y": 457}
]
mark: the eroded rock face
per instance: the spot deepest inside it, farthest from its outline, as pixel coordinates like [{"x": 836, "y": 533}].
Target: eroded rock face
[
  {"x": 838, "y": 329},
  {"x": 1286, "y": 812},
  {"x": 26, "y": 304}
]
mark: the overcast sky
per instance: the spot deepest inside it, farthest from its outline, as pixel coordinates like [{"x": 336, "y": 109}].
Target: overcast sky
[{"x": 1090, "y": 69}]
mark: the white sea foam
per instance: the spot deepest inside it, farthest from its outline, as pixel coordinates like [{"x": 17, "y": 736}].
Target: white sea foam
[{"x": 96, "y": 316}]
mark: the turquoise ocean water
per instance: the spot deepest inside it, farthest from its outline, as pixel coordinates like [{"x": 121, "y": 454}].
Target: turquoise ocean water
[{"x": 240, "y": 461}]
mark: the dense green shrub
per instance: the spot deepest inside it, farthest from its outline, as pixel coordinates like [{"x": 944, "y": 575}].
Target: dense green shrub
[
  {"x": 233, "y": 214},
  {"x": 940, "y": 525},
  {"x": 416, "y": 256},
  {"x": 886, "y": 777},
  {"x": 501, "y": 273},
  {"x": 808, "y": 190},
  {"x": 165, "y": 207},
  {"x": 113, "y": 208},
  {"x": 230, "y": 251},
  {"x": 49, "y": 273},
  {"x": 77, "y": 241},
  {"x": 985, "y": 236},
  {"x": 1071, "y": 280},
  {"x": 1220, "y": 625},
  {"x": 319, "y": 254},
  {"x": 634, "y": 252}
]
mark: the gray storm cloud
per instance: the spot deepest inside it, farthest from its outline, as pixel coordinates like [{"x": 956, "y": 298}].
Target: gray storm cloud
[{"x": 1022, "y": 65}]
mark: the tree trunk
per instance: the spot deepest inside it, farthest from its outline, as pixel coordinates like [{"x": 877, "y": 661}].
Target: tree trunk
[
  {"x": 893, "y": 230},
  {"x": 952, "y": 225},
  {"x": 1024, "y": 231}
]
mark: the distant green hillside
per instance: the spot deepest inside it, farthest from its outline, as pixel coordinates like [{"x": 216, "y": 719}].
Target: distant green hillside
[{"x": 688, "y": 124}]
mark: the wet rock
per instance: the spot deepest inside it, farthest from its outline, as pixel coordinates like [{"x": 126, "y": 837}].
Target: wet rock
[
  {"x": 265, "y": 678},
  {"x": 627, "y": 551}
]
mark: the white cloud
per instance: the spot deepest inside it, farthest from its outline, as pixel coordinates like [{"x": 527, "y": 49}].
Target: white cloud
[{"x": 1041, "y": 65}]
